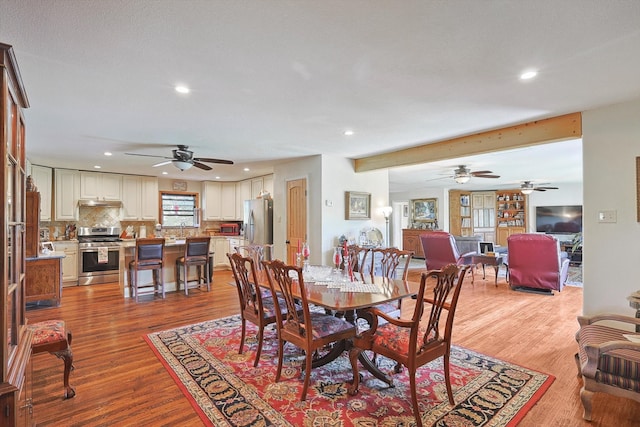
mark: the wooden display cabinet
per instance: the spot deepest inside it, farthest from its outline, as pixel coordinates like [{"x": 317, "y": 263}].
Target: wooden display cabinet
[
  {"x": 411, "y": 241},
  {"x": 15, "y": 352},
  {"x": 511, "y": 212},
  {"x": 460, "y": 221}
]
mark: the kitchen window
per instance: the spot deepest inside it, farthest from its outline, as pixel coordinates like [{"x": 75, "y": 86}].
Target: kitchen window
[{"x": 179, "y": 209}]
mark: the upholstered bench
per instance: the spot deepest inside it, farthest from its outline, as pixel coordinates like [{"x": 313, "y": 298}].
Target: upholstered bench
[
  {"x": 607, "y": 361},
  {"x": 52, "y": 336}
]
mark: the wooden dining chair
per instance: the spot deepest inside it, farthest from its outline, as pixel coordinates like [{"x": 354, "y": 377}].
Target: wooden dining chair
[
  {"x": 358, "y": 256},
  {"x": 149, "y": 256},
  {"x": 255, "y": 307},
  {"x": 307, "y": 330},
  {"x": 409, "y": 341},
  {"x": 259, "y": 253},
  {"x": 391, "y": 263}
]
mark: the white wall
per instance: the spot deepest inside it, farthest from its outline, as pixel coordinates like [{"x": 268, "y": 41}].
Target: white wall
[{"x": 611, "y": 252}]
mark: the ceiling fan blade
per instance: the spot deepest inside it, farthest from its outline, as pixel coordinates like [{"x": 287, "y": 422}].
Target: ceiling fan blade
[
  {"x": 539, "y": 189},
  {"x": 148, "y": 155},
  {"x": 487, "y": 176},
  {"x": 205, "y": 159},
  {"x": 201, "y": 165},
  {"x": 547, "y": 188},
  {"x": 476, "y": 173},
  {"x": 166, "y": 162}
]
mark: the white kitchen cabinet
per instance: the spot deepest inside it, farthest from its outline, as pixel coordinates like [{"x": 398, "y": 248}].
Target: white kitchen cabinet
[
  {"x": 267, "y": 184},
  {"x": 228, "y": 201},
  {"x": 43, "y": 179},
  {"x": 243, "y": 192},
  {"x": 257, "y": 185},
  {"x": 67, "y": 193},
  {"x": 221, "y": 248},
  {"x": 100, "y": 186},
  {"x": 211, "y": 197},
  {"x": 139, "y": 198},
  {"x": 69, "y": 262}
]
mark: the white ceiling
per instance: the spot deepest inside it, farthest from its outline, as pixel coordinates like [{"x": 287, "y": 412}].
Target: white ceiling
[{"x": 274, "y": 80}]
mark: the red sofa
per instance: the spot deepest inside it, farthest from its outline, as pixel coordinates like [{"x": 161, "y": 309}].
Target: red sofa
[{"x": 535, "y": 263}]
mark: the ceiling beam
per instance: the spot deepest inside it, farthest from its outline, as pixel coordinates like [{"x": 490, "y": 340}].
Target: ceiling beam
[{"x": 537, "y": 132}]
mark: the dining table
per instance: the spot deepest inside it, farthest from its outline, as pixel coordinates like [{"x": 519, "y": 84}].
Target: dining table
[{"x": 340, "y": 295}]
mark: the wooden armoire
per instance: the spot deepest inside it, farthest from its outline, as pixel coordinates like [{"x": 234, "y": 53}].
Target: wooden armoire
[{"x": 16, "y": 406}]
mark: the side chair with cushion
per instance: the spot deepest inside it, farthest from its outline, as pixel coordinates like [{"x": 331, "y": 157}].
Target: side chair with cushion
[
  {"x": 196, "y": 253},
  {"x": 536, "y": 263},
  {"x": 259, "y": 253},
  {"x": 310, "y": 331},
  {"x": 607, "y": 361},
  {"x": 416, "y": 341},
  {"x": 53, "y": 337},
  {"x": 391, "y": 263},
  {"x": 358, "y": 257},
  {"x": 254, "y": 306}
]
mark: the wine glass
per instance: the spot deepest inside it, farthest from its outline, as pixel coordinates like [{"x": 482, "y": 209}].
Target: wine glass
[
  {"x": 337, "y": 257},
  {"x": 305, "y": 255}
]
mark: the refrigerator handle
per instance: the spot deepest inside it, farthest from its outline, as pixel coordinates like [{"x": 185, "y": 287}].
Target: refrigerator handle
[{"x": 251, "y": 225}]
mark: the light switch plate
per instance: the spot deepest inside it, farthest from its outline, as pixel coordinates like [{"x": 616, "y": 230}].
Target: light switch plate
[{"x": 607, "y": 216}]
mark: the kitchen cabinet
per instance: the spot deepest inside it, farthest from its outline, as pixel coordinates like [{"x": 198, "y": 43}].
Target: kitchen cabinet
[
  {"x": 67, "y": 193},
  {"x": 15, "y": 337},
  {"x": 43, "y": 280},
  {"x": 32, "y": 224},
  {"x": 43, "y": 179},
  {"x": 228, "y": 201},
  {"x": 100, "y": 186},
  {"x": 211, "y": 197},
  {"x": 257, "y": 185},
  {"x": 267, "y": 184},
  {"x": 243, "y": 192},
  {"x": 70, "y": 264},
  {"x": 221, "y": 248},
  {"x": 140, "y": 198}
]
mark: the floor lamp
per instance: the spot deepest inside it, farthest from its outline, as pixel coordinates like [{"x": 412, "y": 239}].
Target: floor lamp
[{"x": 386, "y": 211}]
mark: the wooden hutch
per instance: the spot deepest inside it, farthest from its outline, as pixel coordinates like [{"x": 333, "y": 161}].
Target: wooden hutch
[{"x": 15, "y": 351}]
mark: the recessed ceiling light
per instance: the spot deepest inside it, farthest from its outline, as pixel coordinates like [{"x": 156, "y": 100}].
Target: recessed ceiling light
[
  {"x": 108, "y": 153},
  {"x": 217, "y": 177},
  {"x": 246, "y": 169},
  {"x": 182, "y": 89},
  {"x": 528, "y": 75},
  {"x": 97, "y": 167},
  {"x": 165, "y": 173},
  {"x": 348, "y": 132}
]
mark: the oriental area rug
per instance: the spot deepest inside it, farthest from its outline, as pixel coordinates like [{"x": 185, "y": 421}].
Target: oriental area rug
[{"x": 226, "y": 390}]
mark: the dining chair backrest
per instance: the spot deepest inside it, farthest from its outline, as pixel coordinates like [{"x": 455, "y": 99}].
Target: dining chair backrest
[
  {"x": 244, "y": 273},
  {"x": 388, "y": 262},
  {"x": 282, "y": 279},
  {"x": 258, "y": 253},
  {"x": 358, "y": 257}
]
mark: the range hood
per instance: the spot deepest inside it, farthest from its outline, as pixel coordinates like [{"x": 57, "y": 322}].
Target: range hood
[{"x": 100, "y": 203}]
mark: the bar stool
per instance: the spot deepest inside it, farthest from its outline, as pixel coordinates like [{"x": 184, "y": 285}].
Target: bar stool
[
  {"x": 149, "y": 256},
  {"x": 196, "y": 253}
]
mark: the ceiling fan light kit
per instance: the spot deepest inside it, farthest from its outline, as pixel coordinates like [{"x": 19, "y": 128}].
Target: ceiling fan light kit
[
  {"x": 183, "y": 159},
  {"x": 463, "y": 174},
  {"x": 461, "y": 179}
]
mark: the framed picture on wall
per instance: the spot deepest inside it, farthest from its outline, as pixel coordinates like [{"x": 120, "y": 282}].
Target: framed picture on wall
[
  {"x": 358, "y": 205},
  {"x": 424, "y": 210}
]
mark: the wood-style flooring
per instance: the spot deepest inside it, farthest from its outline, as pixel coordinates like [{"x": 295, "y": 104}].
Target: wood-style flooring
[{"x": 119, "y": 380}]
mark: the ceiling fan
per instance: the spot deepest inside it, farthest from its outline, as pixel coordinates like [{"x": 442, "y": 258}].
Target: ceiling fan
[
  {"x": 463, "y": 174},
  {"x": 527, "y": 187},
  {"x": 183, "y": 159}
]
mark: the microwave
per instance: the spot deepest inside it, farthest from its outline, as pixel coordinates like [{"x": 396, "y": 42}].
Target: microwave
[{"x": 230, "y": 229}]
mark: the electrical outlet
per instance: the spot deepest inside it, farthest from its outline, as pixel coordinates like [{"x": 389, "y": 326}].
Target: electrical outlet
[{"x": 607, "y": 216}]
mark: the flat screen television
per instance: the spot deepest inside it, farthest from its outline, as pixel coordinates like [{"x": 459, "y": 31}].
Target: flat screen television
[{"x": 559, "y": 219}]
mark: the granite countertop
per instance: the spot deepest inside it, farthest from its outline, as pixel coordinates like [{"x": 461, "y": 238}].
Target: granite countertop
[{"x": 50, "y": 255}]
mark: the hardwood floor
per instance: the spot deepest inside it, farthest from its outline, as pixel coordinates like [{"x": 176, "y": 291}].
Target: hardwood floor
[{"x": 119, "y": 381}]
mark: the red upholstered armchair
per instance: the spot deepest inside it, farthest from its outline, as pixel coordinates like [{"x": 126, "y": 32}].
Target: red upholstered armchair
[
  {"x": 440, "y": 249},
  {"x": 535, "y": 263}
]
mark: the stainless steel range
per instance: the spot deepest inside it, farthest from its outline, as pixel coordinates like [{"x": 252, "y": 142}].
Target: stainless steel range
[{"x": 99, "y": 249}]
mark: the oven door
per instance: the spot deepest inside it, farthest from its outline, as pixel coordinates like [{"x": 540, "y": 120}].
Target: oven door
[{"x": 95, "y": 268}]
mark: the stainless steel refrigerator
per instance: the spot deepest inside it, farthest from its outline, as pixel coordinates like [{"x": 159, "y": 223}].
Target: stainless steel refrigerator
[{"x": 258, "y": 221}]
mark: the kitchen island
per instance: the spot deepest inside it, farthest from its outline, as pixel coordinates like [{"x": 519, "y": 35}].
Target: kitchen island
[
  {"x": 173, "y": 250},
  {"x": 43, "y": 279}
]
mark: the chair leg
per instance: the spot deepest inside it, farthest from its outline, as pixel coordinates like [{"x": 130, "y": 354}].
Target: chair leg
[
  {"x": 259, "y": 351},
  {"x": 447, "y": 378},
  {"x": 307, "y": 376},
  {"x": 414, "y": 398},
  {"x": 280, "y": 357},
  {"x": 67, "y": 357},
  {"x": 242, "y": 334},
  {"x": 162, "y": 281},
  {"x": 585, "y": 397},
  {"x": 354, "y": 354}
]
